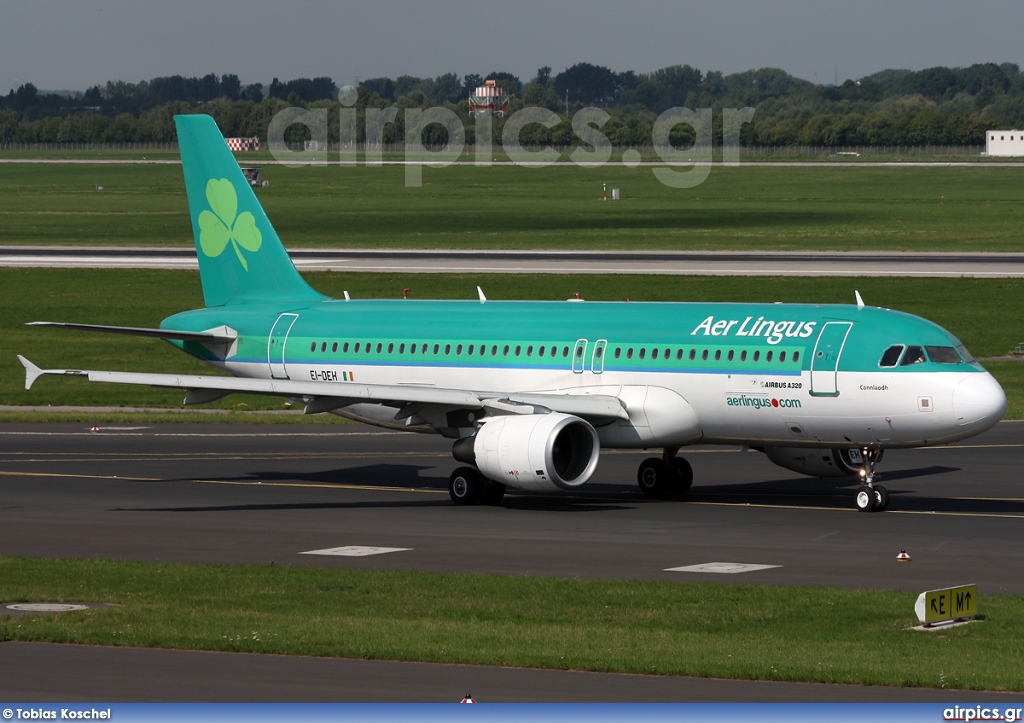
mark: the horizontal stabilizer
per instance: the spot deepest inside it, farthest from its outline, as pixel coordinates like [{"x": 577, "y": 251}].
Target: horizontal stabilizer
[{"x": 200, "y": 336}]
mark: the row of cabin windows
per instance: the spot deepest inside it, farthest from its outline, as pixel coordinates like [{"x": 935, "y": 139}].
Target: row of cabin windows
[
  {"x": 704, "y": 355},
  {"x": 905, "y": 356},
  {"x": 424, "y": 349},
  {"x": 552, "y": 351}
]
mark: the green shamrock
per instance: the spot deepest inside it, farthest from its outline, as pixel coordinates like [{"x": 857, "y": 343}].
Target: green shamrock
[{"x": 218, "y": 227}]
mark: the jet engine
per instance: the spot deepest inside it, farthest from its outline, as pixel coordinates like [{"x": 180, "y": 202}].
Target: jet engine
[
  {"x": 834, "y": 462},
  {"x": 533, "y": 452}
]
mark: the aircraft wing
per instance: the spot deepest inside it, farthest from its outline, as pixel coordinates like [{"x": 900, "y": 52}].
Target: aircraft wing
[{"x": 324, "y": 396}]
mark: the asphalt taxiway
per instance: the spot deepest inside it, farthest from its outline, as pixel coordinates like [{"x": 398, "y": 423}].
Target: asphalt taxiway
[{"x": 252, "y": 494}]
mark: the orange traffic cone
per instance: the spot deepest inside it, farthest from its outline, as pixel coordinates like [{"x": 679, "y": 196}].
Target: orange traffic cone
[{"x": 468, "y": 699}]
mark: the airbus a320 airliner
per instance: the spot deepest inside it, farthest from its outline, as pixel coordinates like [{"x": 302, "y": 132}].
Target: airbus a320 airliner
[{"x": 532, "y": 391}]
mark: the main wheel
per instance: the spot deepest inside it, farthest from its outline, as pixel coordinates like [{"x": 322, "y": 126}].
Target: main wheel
[
  {"x": 865, "y": 499},
  {"x": 465, "y": 486},
  {"x": 492, "y": 493},
  {"x": 684, "y": 475},
  {"x": 881, "y": 498},
  {"x": 654, "y": 477}
]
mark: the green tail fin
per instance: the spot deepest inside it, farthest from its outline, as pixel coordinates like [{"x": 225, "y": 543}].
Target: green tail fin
[{"x": 241, "y": 257}]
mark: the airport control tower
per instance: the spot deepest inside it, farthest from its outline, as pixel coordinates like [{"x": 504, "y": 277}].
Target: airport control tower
[{"x": 488, "y": 97}]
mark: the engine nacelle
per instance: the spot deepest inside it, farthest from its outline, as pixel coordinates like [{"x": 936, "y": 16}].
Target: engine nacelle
[
  {"x": 834, "y": 462},
  {"x": 533, "y": 452}
]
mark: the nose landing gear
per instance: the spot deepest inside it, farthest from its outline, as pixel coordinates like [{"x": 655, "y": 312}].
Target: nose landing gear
[{"x": 871, "y": 497}]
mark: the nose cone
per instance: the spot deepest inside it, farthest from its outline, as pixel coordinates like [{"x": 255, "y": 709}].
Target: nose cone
[{"x": 978, "y": 402}]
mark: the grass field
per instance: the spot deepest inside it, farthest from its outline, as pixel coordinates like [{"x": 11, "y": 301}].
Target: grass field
[
  {"x": 760, "y": 208},
  {"x": 980, "y": 312},
  {"x": 696, "y": 629}
]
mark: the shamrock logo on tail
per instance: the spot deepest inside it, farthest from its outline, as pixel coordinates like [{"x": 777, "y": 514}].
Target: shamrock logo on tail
[{"x": 220, "y": 225}]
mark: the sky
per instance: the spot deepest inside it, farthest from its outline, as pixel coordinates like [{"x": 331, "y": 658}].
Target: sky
[{"x": 73, "y": 44}]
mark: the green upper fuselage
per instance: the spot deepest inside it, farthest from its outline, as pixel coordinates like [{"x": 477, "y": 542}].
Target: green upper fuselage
[{"x": 539, "y": 334}]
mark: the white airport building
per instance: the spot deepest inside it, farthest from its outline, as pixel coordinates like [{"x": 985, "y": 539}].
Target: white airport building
[{"x": 1004, "y": 143}]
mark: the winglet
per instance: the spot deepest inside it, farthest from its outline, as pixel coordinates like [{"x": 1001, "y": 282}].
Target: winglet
[
  {"x": 32, "y": 372},
  {"x": 860, "y": 301},
  {"x": 481, "y": 293}
]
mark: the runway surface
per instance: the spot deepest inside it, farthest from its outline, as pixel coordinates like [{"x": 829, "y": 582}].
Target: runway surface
[
  {"x": 251, "y": 494},
  {"x": 706, "y": 263}
]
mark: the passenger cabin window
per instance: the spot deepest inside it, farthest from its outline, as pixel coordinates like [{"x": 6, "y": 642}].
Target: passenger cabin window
[
  {"x": 891, "y": 356},
  {"x": 914, "y": 355},
  {"x": 943, "y": 354}
]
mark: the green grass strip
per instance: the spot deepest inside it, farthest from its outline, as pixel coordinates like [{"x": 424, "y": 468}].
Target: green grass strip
[
  {"x": 822, "y": 208},
  {"x": 822, "y": 635}
]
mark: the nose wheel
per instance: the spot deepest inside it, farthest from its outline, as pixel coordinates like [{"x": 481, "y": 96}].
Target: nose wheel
[{"x": 871, "y": 497}]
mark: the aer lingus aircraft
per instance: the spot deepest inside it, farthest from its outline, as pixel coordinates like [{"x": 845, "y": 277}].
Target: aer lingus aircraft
[{"x": 531, "y": 391}]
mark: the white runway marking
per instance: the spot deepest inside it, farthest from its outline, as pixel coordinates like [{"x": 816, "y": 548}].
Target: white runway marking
[
  {"x": 356, "y": 551},
  {"x": 727, "y": 568}
]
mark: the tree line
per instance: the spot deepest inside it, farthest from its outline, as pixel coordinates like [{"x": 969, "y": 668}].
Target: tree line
[{"x": 936, "y": 106}]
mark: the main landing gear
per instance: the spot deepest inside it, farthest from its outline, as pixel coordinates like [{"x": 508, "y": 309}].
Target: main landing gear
[
  {"x": 467, "y": 486},
  {"x": 870, "y": 497},
  {"x": 664, "y": 475}
]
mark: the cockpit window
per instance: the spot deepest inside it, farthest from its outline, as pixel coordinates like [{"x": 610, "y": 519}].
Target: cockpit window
[
  {"x": 943, "y": 354},
  {"x": 891, "y": 356},
  {"x": 965, "y": 354},
  {"x": 914, "y": 355}
]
